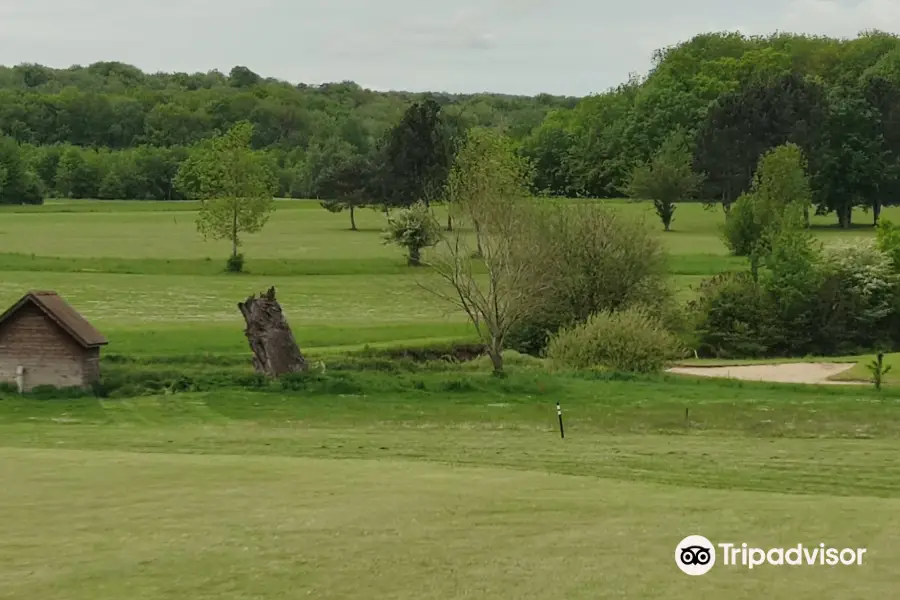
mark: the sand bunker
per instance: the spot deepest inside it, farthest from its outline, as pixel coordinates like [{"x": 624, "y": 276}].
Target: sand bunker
[{"x": 814, "y": 373}]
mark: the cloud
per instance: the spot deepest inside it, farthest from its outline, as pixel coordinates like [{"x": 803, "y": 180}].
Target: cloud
[
  {"x": 841, "y": 18},
  {"x": 465, "y": 29}
]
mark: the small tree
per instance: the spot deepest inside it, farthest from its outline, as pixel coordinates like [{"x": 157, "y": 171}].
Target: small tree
[
  {"x": 413, "y": 229},
  {"x": 779, "y": 199},
  {"x": 878, "y": 370},
  {"x": 346, "y": 186},
  {"x": 782, "y": 184},
  {"x": 667, "y": 179},
  {"x": 234, "y": 184},
  {"x": 793, "y": 279},
  {"x": 488, "y": 188}
]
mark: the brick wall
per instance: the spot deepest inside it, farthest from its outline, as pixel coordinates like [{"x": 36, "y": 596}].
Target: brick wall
[
  {"x": 90, "y": 364},
  {"x": 50, "y": 356}
]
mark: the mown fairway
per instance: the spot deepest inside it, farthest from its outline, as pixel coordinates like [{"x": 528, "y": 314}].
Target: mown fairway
[
  {"x": 134, "y": 268},
  {"x": 412, "y": 483}
]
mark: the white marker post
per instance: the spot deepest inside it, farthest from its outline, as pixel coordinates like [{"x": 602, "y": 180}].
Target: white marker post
[{"x": 562, "y": 432}]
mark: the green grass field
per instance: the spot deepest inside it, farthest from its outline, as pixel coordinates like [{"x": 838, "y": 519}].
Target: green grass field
[{"x": 407, "y": 481}]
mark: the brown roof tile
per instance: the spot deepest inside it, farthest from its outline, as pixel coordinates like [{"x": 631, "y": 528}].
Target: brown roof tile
[{"x": 63, "y": 314}]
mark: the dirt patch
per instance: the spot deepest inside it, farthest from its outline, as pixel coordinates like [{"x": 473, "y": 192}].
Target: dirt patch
[{"x": 812, "y": 373}]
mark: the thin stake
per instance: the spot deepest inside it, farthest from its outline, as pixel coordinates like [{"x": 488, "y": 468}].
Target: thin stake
[{"x": 562, "y": 431}]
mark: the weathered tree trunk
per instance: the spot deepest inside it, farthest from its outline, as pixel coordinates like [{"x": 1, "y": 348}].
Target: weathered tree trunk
[
  {"x": 275, "y": 352},
  {"x": 352, "y": 219}
]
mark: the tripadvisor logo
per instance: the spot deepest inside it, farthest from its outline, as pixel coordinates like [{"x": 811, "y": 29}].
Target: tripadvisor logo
[{"x": 696, "y": 555}]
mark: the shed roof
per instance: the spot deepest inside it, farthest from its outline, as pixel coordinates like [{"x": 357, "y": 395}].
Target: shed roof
[{"x": 57, "y": 309}]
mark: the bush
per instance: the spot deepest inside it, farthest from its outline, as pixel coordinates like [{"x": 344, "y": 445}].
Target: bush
[
  {"x": 630, "y": 340},
  {"x": 859, "y": 294},
  {"x": 531, "y": 335},
  {"x": 843, "y": 300},
  {"x": 888, "y": 241},
  {"x": 235, "y": 263},
  {"x": 734, "y": 317},
  {"x": 413, "y": 229},
  {"x": 601, "y": 261}
]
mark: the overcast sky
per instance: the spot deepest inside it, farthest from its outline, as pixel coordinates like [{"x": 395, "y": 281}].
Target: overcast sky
[{"x": 572, "y": 47}]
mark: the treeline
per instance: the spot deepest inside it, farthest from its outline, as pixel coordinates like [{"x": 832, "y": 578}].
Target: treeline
[
  {"x": 733, "y": 98},
  {"x": 111, "y": 130}
]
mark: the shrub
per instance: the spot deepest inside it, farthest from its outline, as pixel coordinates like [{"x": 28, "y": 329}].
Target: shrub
[
  {"x": 413, "y": 229},
  {"x": 888, "y": 241},
  {"x": 733, "y": 316},
  {"x": 860, "y": 293},
  {"x": 235, "y": 263},
  {"x": 531, "y": 335},
  {"x": 841, "y": 300},
  {"x": 630, "y": 340},
  {"x": 601, "y": 261}
]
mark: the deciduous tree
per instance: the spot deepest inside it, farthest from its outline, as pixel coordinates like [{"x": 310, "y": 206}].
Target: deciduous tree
[
  {"x": 742, "y": 125},
  {"x": 667, "y": 179},
  {"x": 346, "y": 186},
  {"x": 233, "y": 182},
  {"x": 779, "y": 200},
  {"x": 413, "y": 229},
  {"x": 852, "y": 158},
  {"x": 18, "y": 184},
  {"x": 489, "y": 187}
]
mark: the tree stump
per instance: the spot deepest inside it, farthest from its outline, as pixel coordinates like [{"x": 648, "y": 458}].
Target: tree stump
[{"x": 275, "y": 351}]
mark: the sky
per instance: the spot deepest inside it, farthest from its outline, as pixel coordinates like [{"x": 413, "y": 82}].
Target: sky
[{"x": 567, "y": 47}]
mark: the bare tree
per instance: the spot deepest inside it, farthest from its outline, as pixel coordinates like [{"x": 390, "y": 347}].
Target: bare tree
[{"x": 487, "y": 264}]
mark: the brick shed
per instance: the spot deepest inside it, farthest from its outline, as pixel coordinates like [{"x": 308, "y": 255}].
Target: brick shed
[{"x": 45, "y": 336}]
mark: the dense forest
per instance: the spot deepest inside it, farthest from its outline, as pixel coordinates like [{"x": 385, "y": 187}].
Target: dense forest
[
  {"x": 109, "y": 130},
  {"x": 735, "y": 97}
]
